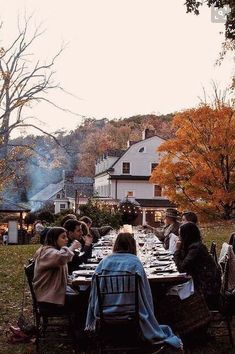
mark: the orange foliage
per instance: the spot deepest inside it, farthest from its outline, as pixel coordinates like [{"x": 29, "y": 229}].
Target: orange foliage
[{"x": 197, "y": 168}]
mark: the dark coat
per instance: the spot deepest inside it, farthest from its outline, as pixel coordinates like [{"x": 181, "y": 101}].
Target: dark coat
[
  {"x": 77, "y": 258},
  {"x": 197, "y": 262},
  {"x": 164, "y": 234},
  {"x": 94, "y": 232}
]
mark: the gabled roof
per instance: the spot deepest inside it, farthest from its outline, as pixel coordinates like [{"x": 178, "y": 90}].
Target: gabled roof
[
  {"x": 138, "y": 142},
  {"x": 83, "y": 189},
  {"x": 83, "y": 180},
  {"x": 6, "y": 206},
  {"x": 48, "y": 192},
  {"x": 114, "y": 153},
  {"x": 84, "y": 186}
]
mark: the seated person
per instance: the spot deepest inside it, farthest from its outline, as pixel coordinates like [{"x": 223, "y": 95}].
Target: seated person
[
  {"x": 193, "y": 258},
  {"x": 228, "y": 252},
  {"x": 75, "y": 232},
  {"x": 39, "y": 227},
  {"x": 67, "y": 217},
  {"x": 189, "y": 216},
  {"x": 43, "y": 234},
  {"x": 124, "y": 260},
  {"x": 94, "y": 232},
  {"x": 171, "y": 227},
  {"x": 104, "y": 230},
  {"x": 50, "y": 280}
]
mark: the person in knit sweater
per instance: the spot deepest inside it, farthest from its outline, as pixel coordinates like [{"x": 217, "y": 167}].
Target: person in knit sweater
[{"x": 51, "y": 272}]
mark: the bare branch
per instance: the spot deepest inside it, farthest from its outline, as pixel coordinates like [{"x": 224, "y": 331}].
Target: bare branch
[{"x": 42, "y": 131}]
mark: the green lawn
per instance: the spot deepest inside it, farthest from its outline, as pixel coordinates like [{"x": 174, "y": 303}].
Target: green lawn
[{"x": 12, "y": 259}]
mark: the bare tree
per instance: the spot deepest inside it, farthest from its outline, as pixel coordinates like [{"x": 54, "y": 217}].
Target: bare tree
[{"x": 24, "y": 80}]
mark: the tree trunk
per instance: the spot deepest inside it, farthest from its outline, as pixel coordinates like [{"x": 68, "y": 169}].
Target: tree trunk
[
  {"x": 4, "y": 136},
  {"x": 227, "y": 215}
]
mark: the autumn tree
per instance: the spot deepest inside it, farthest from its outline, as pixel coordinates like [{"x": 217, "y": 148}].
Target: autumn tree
[{"x": 197, "y": 166}]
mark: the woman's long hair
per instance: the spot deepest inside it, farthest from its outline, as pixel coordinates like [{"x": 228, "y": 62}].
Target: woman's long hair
[
  {"x": 125, "y": 242},
  {"x": 53, "y": 235},
  {"x": 189, "y": 233}
]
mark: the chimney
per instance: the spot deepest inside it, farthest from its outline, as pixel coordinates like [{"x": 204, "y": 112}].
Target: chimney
[
  {"x": 68, "y": 176},
  {"x": 148, "y": 133},
  {"x": 130, "y": 142}
]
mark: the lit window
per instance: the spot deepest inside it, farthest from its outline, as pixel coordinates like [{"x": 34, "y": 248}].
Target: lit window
[
  {"x": 126, "y": 167},
  {"x": 157, "y": 191},
  {"x": 130, "y": 194},
  {"x": 153, "y": 165},
  {"x": 158, "y": 216}
]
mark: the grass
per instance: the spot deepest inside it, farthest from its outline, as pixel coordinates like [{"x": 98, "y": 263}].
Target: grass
[
  {"x": 218, "y": 232},
  {"x": 12, "y": 260}
]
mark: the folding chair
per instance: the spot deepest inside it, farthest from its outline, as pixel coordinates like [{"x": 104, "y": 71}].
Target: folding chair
[
  {"x": 118, "y": 325},
  {"x": 53, "y": 323}
]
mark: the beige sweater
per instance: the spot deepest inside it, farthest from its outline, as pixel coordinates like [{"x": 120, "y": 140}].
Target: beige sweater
[
  {"x": 51, "y": 273},
  {"x": 227, "y": 251}
]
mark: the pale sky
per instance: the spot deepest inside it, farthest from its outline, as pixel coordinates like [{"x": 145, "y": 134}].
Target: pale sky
[{"x": 124, "y": 57}]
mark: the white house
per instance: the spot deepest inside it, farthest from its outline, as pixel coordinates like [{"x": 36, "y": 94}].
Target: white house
[
  {"x": 126, "y": 173},
  {"x": 69, "y": 193}
]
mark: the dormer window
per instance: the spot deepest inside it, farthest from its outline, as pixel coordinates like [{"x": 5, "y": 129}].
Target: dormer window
[
  {"x": 142, "y": 149},
  {"x": 126, "y": 167},
  {"x": 58, "y": 196}
]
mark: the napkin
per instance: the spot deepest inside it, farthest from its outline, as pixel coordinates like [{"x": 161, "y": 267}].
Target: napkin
[{"x": 182, "y": 290}]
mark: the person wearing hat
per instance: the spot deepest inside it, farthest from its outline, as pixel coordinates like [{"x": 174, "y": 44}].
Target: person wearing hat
[{"x": 171, "y": 227}]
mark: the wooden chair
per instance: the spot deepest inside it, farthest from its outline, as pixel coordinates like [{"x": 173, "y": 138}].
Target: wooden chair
[
  {"x": 222, "y": 318},
  {"x": 118, "y": 325},
  {"x": 213, "y": 252},
  {"x": 53, "y": 323}
]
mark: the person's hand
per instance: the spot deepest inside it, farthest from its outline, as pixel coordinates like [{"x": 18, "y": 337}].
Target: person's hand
[
  {"x": 88, "y": 240},
  {"x": 75, "y": 245},
  {"x": 178, "y": 245}
]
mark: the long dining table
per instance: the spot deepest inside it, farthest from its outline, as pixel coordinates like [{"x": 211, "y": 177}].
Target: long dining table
[
  {"x": 158, "y": 262},
  {"x": 183, "y": 315}
]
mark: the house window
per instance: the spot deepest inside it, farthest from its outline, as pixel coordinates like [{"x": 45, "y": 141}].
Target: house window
[
  {"x": 62, "y": 206},
  {"x": 58, "y": 196},
  {"x": 153, "y": 165},
  {"x": 157, "y": 190},
  {"x": 130, "y": 194},
  {"x": 142, "y": 149},
  {"x": 126, "y": 167}
]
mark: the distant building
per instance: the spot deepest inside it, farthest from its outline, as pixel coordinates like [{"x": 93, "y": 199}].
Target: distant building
[
  {"x": 64, "y": 193},
  {"x": 119, "y": 174}
]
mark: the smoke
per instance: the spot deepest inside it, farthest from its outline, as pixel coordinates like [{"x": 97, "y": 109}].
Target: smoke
[{"x": 41, "y": 167}]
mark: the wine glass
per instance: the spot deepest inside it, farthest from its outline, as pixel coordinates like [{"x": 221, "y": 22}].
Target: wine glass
[{"x": 141, "y": 243}]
